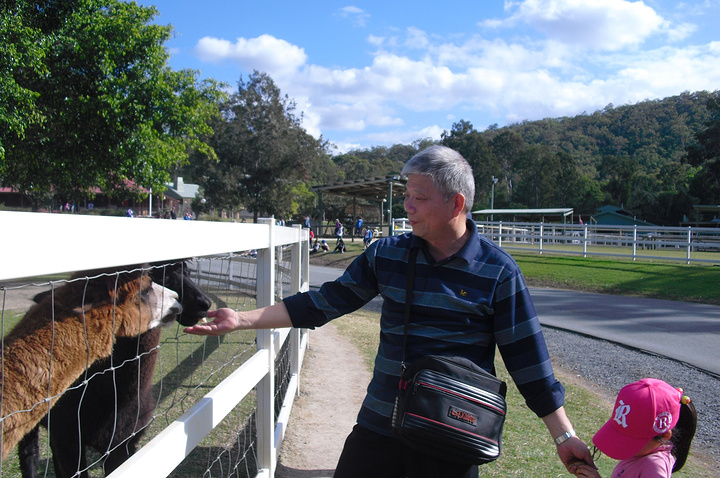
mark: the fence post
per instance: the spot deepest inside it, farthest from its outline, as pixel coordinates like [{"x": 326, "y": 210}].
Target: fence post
[
  {"x": 499, "y": 233},
  {"x": 634, "y": 247},
  {"x": 689, "y": 244},
  {"x": 299, "y": 254},
  {"x": 585, "y": 240},
  {"x": 541, "y": 237},
  {"x": 266, "y": 387}
]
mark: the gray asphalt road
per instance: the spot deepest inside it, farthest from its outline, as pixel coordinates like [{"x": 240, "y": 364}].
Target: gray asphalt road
[{"x": 682, "y": 331}]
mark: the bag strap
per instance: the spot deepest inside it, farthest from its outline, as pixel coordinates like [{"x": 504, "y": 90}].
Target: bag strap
[{"x": 408, "y": 298}]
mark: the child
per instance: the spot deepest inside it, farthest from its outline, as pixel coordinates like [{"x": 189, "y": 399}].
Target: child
[
  {"x": 650, "y": 432},
  {"x": 367, "y": 239},
  {"x": 340, "y": 246}
]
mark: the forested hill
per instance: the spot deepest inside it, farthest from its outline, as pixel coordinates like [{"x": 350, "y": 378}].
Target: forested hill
[
  {"x": 652, "y": 132},
  {"x": 632, "y": 156}
]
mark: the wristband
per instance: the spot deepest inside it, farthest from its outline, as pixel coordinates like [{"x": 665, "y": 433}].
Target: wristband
[{"x": 565, "y": 436}]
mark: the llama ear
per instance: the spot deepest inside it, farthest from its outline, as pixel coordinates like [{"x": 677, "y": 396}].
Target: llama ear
[
  {"x": 40, "y": 296},
  {"x": 82, "y": 309}
]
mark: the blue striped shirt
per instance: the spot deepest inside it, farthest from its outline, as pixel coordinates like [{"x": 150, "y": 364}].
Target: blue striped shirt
[{"x": 464, "y": 305}]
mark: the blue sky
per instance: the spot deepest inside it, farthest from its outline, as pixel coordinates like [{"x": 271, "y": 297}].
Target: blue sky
[{"x": 369, "y": 73}]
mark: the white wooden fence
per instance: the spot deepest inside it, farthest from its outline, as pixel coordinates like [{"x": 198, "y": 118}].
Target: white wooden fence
[
  {"x": 688, "y": 244},
  {"x": 35, "y": 244}
]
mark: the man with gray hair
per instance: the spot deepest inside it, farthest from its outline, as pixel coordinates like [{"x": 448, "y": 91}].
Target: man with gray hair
[{"x": 469, "y": 297}]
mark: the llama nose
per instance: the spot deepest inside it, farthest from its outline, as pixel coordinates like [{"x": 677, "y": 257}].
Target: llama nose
[{"x": 176, "y": 308}]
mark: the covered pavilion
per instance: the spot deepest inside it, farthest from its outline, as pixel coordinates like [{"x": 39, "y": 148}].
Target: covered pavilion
[{"x": 383, "y": 190}]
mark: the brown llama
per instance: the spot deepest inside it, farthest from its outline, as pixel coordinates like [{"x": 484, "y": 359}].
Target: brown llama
[{"x": 67, "y": 331}]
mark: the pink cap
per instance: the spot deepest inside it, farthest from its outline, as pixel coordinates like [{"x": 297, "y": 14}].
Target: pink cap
[{"x": 643, "y": 410}]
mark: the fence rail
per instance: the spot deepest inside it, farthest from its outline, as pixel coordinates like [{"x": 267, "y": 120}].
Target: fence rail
[
  {"x": 688, "y": 244},
  {"x": 36, "y": 244}
]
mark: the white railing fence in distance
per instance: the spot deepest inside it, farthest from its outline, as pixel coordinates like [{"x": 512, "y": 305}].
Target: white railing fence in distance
[
  {"x": 687, "y": 244},
  {"x": 222, "y": 403}
]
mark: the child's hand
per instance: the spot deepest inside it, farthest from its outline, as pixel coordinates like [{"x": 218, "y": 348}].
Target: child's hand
[{"x": 584, "y": 471}]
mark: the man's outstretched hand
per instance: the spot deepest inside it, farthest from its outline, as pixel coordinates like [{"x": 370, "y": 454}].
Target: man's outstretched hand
[{"x": 225, "y": 320}]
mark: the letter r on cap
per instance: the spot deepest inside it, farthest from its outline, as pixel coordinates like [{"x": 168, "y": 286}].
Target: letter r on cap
[{"x": 620, "y": 413}]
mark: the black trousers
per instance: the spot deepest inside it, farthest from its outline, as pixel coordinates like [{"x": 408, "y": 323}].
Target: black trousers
[{"x": 369, "y": 454}]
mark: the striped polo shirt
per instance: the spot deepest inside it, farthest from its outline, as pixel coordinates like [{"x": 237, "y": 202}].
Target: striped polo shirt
[{"x": 464, "y": 305}]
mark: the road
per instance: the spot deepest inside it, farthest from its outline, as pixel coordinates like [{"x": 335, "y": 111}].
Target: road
[{"x": 682, "y": 331}]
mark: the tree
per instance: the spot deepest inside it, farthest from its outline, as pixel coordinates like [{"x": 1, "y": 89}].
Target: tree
[
  {"x": 475, "y": 149},
  {"x": 539, "y": 170},
  {"x": 262, "y": 149},
  {"x": 706, "y": 153},
  {"x": 98, "y": 107},
  {"x": 508, "y": 147},
  {"x": 618, "y": 174}
]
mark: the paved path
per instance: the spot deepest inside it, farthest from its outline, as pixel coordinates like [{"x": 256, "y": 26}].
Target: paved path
[{"x": 678, "y": 330}]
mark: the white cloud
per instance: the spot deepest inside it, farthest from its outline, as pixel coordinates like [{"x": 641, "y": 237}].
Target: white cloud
[
  {"x": 358, "y": 16},
  {"x": 593, "y": 24},
  {"x": 264, "y": 53},
  {"x": 406, "y": 136},
  {"x": 498, "y": 79}
]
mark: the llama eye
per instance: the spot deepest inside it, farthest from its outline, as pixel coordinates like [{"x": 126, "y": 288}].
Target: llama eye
[{"x": 145, "y": 294}]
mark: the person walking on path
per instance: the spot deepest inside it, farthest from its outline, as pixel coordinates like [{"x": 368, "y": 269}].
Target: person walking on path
[{"x": 471, "y": 297}]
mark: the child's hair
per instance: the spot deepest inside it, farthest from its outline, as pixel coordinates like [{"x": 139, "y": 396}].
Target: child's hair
[{"x": 683, "y": 433}]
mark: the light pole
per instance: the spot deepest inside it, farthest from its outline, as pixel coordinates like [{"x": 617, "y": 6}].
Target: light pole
[{"x": 492, "y": 196}]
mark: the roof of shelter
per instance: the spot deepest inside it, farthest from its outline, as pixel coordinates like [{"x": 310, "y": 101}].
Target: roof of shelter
[
  {"x": 371, "y": 189},
  {"x": 558, "y": 211}
]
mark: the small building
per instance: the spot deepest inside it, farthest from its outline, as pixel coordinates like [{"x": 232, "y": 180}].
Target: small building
[
  {"x": 179, "y": 197},
  {"x": 609, "y": 215}
]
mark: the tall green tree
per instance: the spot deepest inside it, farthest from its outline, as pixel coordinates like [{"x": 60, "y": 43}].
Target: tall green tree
[
  {"x": 508, "y": 148},
  {"x": 705, "y": 154},
  {"x": 473, "y": 146},
  {"x": 539, "y": 171},
  {"x": 618, "y": 174},
  {"x": 98, "y": 105},
  {"x": 263, "y": 151}
]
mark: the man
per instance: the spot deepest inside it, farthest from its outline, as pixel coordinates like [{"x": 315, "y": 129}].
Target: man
[{"x": 469, "y": 297}]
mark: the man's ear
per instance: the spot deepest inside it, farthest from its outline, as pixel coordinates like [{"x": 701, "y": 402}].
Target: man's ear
[{"x": 458, "y": 205}]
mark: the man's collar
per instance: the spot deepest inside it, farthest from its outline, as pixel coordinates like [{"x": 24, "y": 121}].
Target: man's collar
[{"x": 467, "y": 252}]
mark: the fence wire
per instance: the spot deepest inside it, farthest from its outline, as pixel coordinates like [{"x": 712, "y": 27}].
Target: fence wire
[{"x": 187, "y": 367}]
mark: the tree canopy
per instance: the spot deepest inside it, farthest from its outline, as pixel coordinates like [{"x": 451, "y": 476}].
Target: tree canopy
[
  {"x": 88, "y": 99},
  {"x": 264, "y": 154}
]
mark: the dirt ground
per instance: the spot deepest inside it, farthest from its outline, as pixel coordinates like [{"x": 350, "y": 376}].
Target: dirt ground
[{"x": 325, "y": 411}]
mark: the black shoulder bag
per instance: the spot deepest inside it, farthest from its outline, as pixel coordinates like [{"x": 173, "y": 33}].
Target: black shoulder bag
[{"x": 448, "y": 407}]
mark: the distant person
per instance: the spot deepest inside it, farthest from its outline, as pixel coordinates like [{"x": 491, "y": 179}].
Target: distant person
[
  {"x": 129, "y": 213},
  {"x": 469, "y": 299},
  {"x": 358, "y": 226},
  {"x": 338, "y": 230},
  {"x": 324, "y": 246},
  {"x": 340, "y": 246},
  {"x": 315, "y": 247},
  {"x": 650, "y": 432},
  {"x": 367, "y": 238}
]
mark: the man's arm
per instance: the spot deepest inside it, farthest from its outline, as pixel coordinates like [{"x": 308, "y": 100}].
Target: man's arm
[
  {"x": 571, "y": 448},
  {"x": 228, "y": 320}
]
